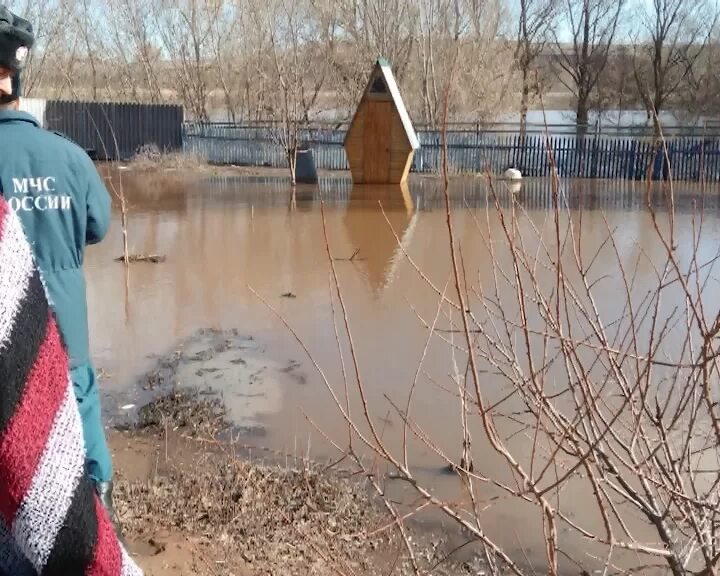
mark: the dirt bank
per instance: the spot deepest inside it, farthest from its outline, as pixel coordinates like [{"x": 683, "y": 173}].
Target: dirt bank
[
  {"x": 191, "y": 504},
  {"x": 187, "y": 165}
]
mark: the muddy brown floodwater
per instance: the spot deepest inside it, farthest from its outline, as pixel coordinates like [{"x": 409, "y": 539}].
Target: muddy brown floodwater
[{"x": 222, "y": 235}]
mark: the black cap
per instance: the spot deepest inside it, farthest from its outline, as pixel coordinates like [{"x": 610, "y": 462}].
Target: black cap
[{"x": 16, "y": 40}]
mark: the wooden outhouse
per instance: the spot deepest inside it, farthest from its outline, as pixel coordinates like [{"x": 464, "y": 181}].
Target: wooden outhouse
[{"x": 381, "y": 141}]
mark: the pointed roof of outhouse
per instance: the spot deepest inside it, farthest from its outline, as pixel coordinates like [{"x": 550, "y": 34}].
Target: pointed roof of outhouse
[{"x": 382, "y": 80}]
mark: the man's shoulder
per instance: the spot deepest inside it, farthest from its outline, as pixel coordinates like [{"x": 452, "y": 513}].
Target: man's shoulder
[
  {"x": 63, "y": 136},
  {"x": 67, "y": 148},
  {"x": 64, "y": 141}
]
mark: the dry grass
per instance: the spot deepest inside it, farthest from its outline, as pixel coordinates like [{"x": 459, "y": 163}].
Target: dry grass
[
  {"x": 294, "y": 518},
  {"x": 299, "y": 520},
  {"x": 150, "y": 157}
]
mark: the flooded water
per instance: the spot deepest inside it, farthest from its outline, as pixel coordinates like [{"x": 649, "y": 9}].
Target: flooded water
[{"x": 227, "y": 237}]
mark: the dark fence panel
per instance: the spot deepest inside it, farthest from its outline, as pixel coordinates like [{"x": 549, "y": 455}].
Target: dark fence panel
[
  {"x": 116, "y": 131},
  {"x": 593, "y": 156}
]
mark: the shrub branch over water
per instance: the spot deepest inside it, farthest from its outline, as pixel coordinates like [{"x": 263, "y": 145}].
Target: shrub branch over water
[{"x": 612, "y": 401}]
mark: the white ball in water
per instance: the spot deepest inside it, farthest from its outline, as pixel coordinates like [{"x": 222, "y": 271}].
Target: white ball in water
[{"x": 513, "y": 174}]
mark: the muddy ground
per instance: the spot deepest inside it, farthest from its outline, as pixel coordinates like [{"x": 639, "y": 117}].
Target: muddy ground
[{"x": 191, "y": 501}]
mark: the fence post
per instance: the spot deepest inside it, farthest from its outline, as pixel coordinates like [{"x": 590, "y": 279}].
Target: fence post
[{"x": 594, "y": 157}]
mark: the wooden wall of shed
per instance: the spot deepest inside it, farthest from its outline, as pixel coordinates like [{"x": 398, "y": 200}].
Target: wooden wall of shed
[
  {"x": 401, "y": 152},
  {"x": 354, "y": 146},
  {"x": 377, "y": 146}
]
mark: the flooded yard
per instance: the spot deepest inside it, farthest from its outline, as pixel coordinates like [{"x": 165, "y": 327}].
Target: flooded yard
[{"x": 227, "y": 238}]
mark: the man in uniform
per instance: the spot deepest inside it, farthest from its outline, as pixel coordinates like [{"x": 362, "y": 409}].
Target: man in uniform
[{"x": 55, "y": 189}]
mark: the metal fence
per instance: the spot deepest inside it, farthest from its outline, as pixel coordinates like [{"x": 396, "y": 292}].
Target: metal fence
[
  {"x": 257, "y": 145},
  {"x": 591, "y": 156},
  {"x": 35, "y": 107},
  {"x": 116, "y": 131}
]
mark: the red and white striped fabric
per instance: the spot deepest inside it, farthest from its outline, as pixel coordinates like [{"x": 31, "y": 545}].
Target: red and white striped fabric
[{"x": 51, "y": 520}]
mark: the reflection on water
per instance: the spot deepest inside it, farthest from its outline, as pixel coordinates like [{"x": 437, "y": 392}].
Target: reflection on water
[
  {"x": 377, "y": 251},
  {"x": 224, "y": 235}
]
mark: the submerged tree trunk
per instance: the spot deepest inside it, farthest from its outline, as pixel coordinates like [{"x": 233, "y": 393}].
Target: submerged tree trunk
[
  {"x": 292, "y": 163},
  {"x": 582, "y": 116},
  {"x": 524, "y": 102}
]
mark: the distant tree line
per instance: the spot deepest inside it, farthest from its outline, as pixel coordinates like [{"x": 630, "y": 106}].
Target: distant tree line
[{"x": 294, "y": 61}]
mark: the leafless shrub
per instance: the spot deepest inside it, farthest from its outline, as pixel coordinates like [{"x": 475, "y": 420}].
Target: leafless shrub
[
  {"x": 151, "y": 157},
  {"x": 581, "y": 62},
  {"x": 614, "y": 404},
  {"x": 678, "y": 32},
  {"x": 536, "y": 18}
]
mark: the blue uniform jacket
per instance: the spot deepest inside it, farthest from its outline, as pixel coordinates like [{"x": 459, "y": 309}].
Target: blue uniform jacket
[{"x": 54, "y": 187}]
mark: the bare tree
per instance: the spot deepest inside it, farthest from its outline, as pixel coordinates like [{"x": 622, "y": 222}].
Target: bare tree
[
  {"x": 592, "y": 25},
  {"x": 185, "y": 28},
  {"x": 367, "y": 30},
  {"x": 441, "y": 29},
  {"x": 535, "y": 23},
  {"x": 301, "y": 38},
  {"x": 215, "y": 56},
  {"x": 224, "y": 30},
  {"x": 133, "y": 40},
  {"x": 86, "y": 18},
  {"x": 616, "y": 88},
  {"x": 465, "y": 32},
  {"x": 703, "y": 93},
  {"x": 678, "y": 34},
  {"x": 486, "y": 83}
]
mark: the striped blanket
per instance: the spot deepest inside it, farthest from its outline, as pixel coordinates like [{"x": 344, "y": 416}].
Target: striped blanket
[{"x": 51, "y": 521}]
